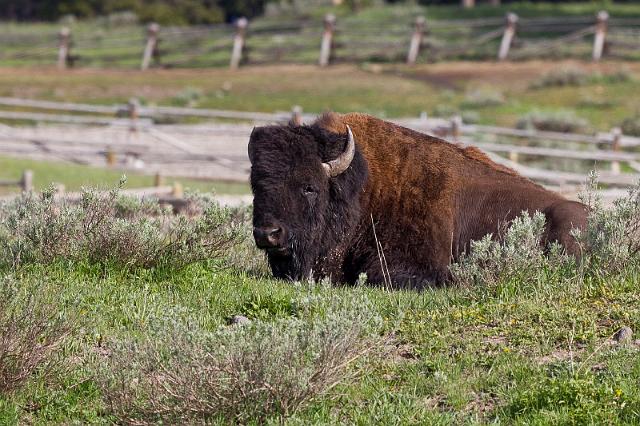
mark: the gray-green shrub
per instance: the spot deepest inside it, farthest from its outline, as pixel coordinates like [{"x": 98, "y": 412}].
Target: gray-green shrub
[
  {"x": 631, "y": 125},
  {"x": 180, "y": 373},
  {"x": 483, "y": 97},
  {"x": 517, "y": 256},
  {"x": 565, "y": 76},
  {"x": 31, "y": 331},
  {"x": 565, "y": 121},
  {"x": 612, "y": 237},
  {"x": 105, "y": 227}
]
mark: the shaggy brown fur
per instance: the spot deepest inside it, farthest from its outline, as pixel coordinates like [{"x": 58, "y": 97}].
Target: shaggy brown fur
[{"x": 409, "y": 203}]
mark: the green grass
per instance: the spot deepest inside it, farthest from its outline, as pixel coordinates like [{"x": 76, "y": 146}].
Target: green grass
[
  {"x": 381, "y": 90},
  {"x": 525, "y": 353},
  {"x": 74, "y": 177},
  {"x": 530, "y": 344}
]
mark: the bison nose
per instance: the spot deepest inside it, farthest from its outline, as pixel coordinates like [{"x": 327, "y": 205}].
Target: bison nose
[{"x": 268, "y": 237}]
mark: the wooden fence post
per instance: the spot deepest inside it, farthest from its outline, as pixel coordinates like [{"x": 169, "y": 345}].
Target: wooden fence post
[
  {"x": 456, "y": 128},
  {"x": 416, "y": 40},
  {"x": 602, "y": 21},
  {"x": 507, "y": 36},
  {"x": 296, "y": 115},
  {"x": 468, "y": 3},
  {"x": 238, "y": 42},
  {"x": 151, "y": 48},
  {"x": 26, "y": 183},
  {"x": 110, "y": 157},
  {"x": 176, "y": 190},
  {"x": 158, "y": 179},
  {"x": 616, "y": 134},
  {"x": 133, "y": 107},
  {"x": 64, "y": 47},
  {"x": 327, "y": 37}
]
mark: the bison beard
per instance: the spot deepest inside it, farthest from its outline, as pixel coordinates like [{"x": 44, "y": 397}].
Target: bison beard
[{"x": 330, "y": 205}]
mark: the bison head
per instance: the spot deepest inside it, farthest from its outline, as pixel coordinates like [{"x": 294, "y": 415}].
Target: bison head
[{"x": 306, "y": 183}]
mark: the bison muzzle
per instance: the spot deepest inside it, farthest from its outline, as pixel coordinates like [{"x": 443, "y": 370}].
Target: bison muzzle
[{"x": 352, "y": 194}]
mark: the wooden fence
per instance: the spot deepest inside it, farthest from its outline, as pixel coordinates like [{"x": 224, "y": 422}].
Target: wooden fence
[
  {"x": 333, "y": 41},
  {"x": 25, "y": 183},
  {"x": 218, "y": 150}
]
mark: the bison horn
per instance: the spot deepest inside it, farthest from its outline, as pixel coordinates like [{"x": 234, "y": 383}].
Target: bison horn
[{"x": 334, "y": 167}]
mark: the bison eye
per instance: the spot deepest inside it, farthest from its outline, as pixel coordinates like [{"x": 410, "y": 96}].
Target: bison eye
[{"x": 308, "y": 191}]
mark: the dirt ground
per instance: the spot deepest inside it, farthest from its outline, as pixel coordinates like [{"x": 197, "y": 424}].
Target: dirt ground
[{"x": 157, "y": 84}]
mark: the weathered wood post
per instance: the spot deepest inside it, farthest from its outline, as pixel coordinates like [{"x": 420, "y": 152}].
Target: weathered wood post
[
  {"x": 133, "y": 108},
  {"x": 110, "y": 157},
  {"x": 416, "y": 40},
  {"x": 468, "y": 3},
  {"x": 456, "y": 128},
  {"x": 296, "y": 115},
  {"x": 64, "y": 47},
  {"x": 151, "y": 48},
  {"x": 327, "y": 38},
  {"x": 158, "y": 179},
  {"x": 26, "y": 182},
  {"x": 238, "y": 43},
  {"x": 616, "y": 142},
  {"x": 602, "y": 22},
  {"x": 176, "y": 190},
  {"x": 507, "y": 36}
]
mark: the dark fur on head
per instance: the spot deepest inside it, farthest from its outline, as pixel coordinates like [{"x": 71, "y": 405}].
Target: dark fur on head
[{"x": 286, "y": 163}]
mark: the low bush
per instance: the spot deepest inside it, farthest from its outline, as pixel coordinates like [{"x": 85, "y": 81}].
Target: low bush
[
  {"x": 574, "y": 76},
  {"x": 31, "y": 331},
  {"x": 612, "y": 237},
  {"x": 631, "y": 125},
  {"x": 619, "y": 76},
  {"x": 245, "y": 256},
  {"x": 517, "y": 255},
  {"x": 565, "y": 76},
  {"x": 483, "y": 97},
  {"x": 588, "y": 101},
  {"x": 188, "y": 97},
  {"x": 181, "y": 373},
  {"x": 564, "y": 121},
  {"x": 444, "y": 110},
  {"x": 108, "y": 228}
]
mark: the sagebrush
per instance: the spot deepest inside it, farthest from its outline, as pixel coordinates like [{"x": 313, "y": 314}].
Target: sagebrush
[
  {"x": 31, "y": 331},
  {"x": 180, "y": 373},
  {"x": 564, "y": 121},
  {"x": 109, "y": 228}
]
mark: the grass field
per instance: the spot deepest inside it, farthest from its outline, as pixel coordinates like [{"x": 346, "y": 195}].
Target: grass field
[
  {"x": 109, "y": 312},
  {"x": 382, "y": 90},
  {"x": 74, "y": 177},
  {"x": 531, "y": 343}
]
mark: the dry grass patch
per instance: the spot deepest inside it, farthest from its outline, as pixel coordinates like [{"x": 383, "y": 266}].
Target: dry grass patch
[{"x": 31, "y": 331}]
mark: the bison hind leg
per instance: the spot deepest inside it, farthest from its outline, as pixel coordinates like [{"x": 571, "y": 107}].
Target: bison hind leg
[{"x": 562, "y": 219}]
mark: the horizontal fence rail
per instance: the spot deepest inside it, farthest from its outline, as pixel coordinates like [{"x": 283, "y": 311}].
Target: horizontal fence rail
[
  {"x": 128, "y": 137},
  {"x": 329, "y": 41}
]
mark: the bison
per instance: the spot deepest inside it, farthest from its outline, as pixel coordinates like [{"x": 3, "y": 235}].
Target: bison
[{"x": 352, "y": 193}]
